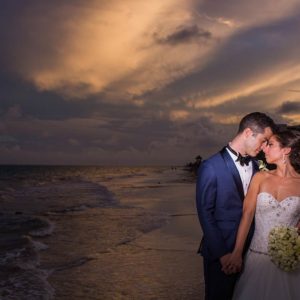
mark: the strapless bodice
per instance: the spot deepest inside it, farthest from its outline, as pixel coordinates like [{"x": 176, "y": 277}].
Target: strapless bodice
[{"x": 270, "y": 213}]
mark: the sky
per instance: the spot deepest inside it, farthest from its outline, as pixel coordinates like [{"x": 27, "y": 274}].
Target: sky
[{"x": 136, "y": 82}]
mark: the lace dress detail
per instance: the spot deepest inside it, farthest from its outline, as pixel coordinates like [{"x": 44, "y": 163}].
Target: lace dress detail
[
  {"x": 270, "y": 213},
  {"x": 261, "y": 279}
]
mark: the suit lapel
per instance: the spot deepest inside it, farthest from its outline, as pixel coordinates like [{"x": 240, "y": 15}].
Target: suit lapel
[
  {"x": 234, "y": 171},
  {"x": 255, "y": 167}
]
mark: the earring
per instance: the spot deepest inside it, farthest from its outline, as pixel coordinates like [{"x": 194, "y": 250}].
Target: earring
[{"x": 283, "y": 159}]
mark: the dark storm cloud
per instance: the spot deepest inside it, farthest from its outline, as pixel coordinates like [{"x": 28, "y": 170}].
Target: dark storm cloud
[
  {"x": 289, "y": 107},
  {"x": 246, "y": 55},
  {"x": 5, "y": 139},
  {"x": 184, "y": 35},
  {"x": 37, "y": 104},
  {"x": 23, "y": 32},
  {"x": 80, "y": 83}
]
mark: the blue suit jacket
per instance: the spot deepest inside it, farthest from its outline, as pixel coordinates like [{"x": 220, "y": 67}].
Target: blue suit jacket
[{"x": 220, "y": 198}]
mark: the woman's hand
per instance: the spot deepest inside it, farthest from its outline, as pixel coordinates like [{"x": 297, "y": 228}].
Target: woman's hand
[{"x": 233, "y": 264}]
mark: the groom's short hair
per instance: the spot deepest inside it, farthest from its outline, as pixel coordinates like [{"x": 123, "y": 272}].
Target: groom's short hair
[{"x": 257, "y": 122}]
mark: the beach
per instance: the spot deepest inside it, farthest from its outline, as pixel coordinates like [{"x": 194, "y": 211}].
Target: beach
[{"x": 102, "y": 233}]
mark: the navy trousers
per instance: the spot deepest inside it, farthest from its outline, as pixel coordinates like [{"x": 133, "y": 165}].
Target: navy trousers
[{"x": 218, "y": 285}]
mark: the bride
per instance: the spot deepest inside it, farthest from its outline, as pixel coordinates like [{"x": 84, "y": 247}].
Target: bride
[{"x": 274, "y": 200}]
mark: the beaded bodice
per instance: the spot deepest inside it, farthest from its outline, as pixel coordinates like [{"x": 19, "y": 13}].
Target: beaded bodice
[{"x": 270, "y": 213}]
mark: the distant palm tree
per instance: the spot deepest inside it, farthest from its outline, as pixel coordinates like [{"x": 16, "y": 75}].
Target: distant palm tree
[
  {"x": 193, "y": 166},
  {"x": 198, "y": 159}
]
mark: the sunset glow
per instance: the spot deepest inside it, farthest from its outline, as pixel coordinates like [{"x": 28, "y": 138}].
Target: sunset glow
[{"x": 134, "y": 82}]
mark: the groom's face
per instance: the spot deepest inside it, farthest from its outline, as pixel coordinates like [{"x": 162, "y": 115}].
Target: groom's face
[{"x": 256, "y": 141}]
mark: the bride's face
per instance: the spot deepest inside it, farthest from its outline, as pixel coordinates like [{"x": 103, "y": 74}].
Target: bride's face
[{"x": 273, "y": 151}]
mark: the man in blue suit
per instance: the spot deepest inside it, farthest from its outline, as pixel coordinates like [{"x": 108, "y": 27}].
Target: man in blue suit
[{"x": 222, "y": 184}]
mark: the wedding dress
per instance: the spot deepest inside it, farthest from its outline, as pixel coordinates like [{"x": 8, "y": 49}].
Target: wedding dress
[{"x": 261, "y": 278}]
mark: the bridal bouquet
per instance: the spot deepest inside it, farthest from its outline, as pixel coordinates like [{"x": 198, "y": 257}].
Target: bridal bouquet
[{"x": 284, "y": 247}]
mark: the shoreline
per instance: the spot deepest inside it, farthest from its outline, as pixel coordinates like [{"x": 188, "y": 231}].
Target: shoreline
[{"x": 143, "y": 247}]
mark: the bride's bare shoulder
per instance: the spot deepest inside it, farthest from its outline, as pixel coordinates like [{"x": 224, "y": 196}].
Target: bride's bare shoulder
[
  {"x": 264, "y": 174},
  {"x": 270, "y": 173}
]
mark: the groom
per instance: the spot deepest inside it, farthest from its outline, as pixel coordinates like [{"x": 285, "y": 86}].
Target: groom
[{"x": 222, "y": 184}]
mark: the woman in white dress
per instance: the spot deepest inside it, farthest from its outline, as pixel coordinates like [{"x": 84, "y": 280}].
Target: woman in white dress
[{"x": 274, "y": 200}]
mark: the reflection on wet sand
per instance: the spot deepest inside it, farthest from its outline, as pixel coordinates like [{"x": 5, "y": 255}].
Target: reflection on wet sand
[{"x": 138, "y": 241}]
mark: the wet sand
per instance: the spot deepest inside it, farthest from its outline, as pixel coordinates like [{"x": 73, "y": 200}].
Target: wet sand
[
  {"x": 102, "y": 234},
  {"x": 148, "y": 264}
]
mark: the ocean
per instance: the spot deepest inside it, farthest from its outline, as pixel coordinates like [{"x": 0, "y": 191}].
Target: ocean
[{"x": 98, "y": 233}]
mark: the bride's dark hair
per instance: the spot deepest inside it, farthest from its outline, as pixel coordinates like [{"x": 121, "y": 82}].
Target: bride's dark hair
[{"x": 289, "y": 137}]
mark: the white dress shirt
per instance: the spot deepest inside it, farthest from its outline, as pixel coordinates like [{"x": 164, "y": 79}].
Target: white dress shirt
[{"x": 244, "y": 171}]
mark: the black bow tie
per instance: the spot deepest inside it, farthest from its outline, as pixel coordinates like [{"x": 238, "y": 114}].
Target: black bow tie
[{"x": 243, "y": 160}]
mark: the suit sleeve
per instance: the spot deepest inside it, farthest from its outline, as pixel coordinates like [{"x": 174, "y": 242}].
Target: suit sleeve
[{"x": 206, "y": 194}]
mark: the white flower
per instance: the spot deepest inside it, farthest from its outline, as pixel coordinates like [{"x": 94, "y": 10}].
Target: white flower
[
  {"x": 262, "y": 166},
  {"x": 284, "y": 247}
]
